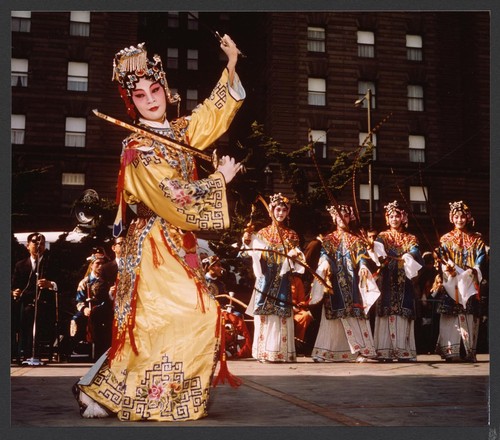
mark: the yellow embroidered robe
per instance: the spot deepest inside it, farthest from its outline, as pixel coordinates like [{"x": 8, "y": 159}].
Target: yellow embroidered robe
[{"x": 166, "y": 333}]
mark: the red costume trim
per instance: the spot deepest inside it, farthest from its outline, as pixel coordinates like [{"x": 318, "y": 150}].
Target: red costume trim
[
  {"x": 157, "y": 258},
  {"x": 224, "y": 373},
  {"x": 119, "y": 337}
]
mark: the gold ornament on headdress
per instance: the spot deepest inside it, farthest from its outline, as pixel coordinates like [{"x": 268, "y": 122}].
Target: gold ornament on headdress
[
  {"x": 335, "y": 210},
  {"x": 279, "y": 199},
  {"x": 132, "y": 63},
  {"x": 460, "y": 207},
  {"x": 394, "y": 207}
]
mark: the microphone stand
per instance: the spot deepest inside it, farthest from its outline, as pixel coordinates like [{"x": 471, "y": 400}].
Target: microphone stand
[
  {"x": 34, "y": 361},
  {"x": 57, "y": 327}
]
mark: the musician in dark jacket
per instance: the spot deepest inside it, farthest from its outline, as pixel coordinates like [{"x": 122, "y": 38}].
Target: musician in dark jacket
[
  {"x": 94, "y": 317},
  {"x": 32, "y": 285}
]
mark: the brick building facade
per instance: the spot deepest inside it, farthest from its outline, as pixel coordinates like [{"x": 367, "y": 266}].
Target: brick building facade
[{"x": 304, "y": 70}]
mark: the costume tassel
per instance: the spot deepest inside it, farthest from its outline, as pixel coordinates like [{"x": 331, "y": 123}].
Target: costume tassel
[
  {"x": 118, "y": 336},
  {"x": 224, "y": 373},
  {"x": 219, "y": 317},
  {"x": 157, "y": 258},
  {"x": 116, "y": 345},
  {"x": 133, "y": 305},
  {"x": 199, "y": 287},
  {"x": 200, "y": 303},
  {"x": 120, "y": 215}
]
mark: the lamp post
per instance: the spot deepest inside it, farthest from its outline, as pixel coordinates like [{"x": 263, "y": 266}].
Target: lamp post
[
  {"x": 268, "y": 173},
  {"x": 357, "y": 103}
]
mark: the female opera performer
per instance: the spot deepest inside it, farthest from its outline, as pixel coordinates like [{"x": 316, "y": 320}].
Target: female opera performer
[
  {"x": 274, "y": 250},
  {"x": 395, "y": 319},
  {"x": 166, "y": 330},
  {"x": 462, "y": 253},
  {"x": 344, "y": 333}
]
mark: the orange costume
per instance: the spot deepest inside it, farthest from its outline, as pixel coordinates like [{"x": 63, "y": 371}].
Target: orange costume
[{"x": 302, "y": 317}]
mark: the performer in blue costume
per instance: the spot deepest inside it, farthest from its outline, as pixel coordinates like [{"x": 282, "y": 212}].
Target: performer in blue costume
[
  {"x": 344, "y": 333},
  {"x": 395, "y": 321},
  {"x": 273, "y": 250},
  {"x": 463, "y": 254}
]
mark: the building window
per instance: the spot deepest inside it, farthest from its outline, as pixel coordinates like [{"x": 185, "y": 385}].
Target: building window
[
  {"x": 75, "y": 132},
  {"x": 21, "y": 21},
  {"x": 415, "y": 98},
  {"x": 192, "y": 59},
  {"x": 78, "y": 76},
  {"x": 366, "y": 44},
  {"x": 364, "y": 143},
  {"x": 363, "y": 87},
  {"x": 414, "y": 47},
  {"x": 316, "y": 91},
  {"x": 73, "y": 179},
  {"x": 173, "y": 20},
  {"x": 416, "y": 148},
  {"x": 191, "y": 99},
  {"x": 364, "y": 197},
  {"x": 192, "y": 23},
  {"x": 19, "y": 72},
  {"x": 172, "y": 58},
  {"x": 319, "y": 141},
  {"x": 418, "y": 199},
  {"x": 17, "y": 129},
  {"x": 315, "y": 39},
  {"x": 79, "y": 23}
]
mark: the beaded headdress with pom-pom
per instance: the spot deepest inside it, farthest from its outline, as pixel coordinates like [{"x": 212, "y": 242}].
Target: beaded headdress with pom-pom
[{"x": 130, "y": 65}]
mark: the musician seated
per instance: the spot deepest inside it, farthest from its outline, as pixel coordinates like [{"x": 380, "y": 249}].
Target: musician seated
[
  {"x": 93, "y": 319},
  {"x": 302, "y": 316}
]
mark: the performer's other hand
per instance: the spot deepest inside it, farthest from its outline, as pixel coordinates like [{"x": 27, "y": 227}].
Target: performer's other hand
[{"x": 228, "y": 167}]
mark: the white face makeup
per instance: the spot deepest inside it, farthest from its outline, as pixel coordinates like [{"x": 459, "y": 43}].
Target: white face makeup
[
  {"x": 280, "y": 213},
  {"x": 342, "y": 220},
  {"x": 459, "y": 220},
  {"x": 395, "y": 220},
  {"x": 150, "y": 100}
]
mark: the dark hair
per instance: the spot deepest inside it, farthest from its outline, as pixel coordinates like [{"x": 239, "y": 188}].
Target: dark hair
[{"x": 35, "y": 236}]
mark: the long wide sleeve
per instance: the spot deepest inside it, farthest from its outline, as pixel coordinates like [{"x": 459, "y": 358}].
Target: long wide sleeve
[
  {"x": 190, "y": 205},
  {"x": 212, "y": 118}
]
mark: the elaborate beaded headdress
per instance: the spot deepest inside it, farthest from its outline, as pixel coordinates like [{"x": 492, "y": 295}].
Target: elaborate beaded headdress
[
  {"x": 335, "y": 210},
  {"x": 460, "y": 207},
  {"x": 279, "y": 199},
  {"x": 394, "y": 207},
  {"x": 130, "y": 65}
]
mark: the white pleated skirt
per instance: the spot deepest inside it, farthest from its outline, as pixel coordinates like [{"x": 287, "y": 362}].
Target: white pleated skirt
[{"x": 274, "y": 339}]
